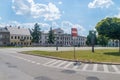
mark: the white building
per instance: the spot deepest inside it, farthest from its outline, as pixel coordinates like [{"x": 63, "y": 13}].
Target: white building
[
  {"x": 62, "y": 39},
  {"x": 113, "y": 43}
]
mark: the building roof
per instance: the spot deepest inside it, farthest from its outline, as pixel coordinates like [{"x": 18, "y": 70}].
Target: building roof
[
  {"x": 58, "y": 31},
  {"x": 18, "y": 30},
  {"x": 3, "y": 29}
]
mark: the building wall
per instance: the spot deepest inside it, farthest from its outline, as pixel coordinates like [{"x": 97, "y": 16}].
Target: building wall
[
  {"x": 20, "y": 40},
  {"x": 4, "y": 38},
  {"x": 113, "y": 43},
  {"x": 63, "y": 40},
  {"x": 19, "y": 36}
]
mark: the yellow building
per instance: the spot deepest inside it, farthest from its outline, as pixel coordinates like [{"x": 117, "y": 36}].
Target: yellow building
[{"x": 19, "y": 36}]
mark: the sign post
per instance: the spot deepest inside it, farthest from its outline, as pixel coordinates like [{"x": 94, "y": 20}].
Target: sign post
[{"x": 74, "y": 36}]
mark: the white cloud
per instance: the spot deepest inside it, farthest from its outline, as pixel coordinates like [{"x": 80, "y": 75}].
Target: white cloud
[
  {"x": 25, "y": 25},
  {"x": 60, "y": 2},
  {"x": 45, "y": 27},
  {"x": 79, "y": 27},
  {"x": 55, "y": 25},
  {"x": 100, "y": 4},
  {"x": 21, "y": 7},
  {"x": 36, "y": 10},
  {"x": 118, "y": 14},
  {"x": 67, "y": 25},
  {"x": 0, "y": 18}
]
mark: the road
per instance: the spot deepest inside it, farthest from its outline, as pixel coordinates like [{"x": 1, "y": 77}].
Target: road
[{"x": 17, "y": 66}]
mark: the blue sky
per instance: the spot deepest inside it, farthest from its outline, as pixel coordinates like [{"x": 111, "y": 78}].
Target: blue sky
[{"x": 82, "y": 14}]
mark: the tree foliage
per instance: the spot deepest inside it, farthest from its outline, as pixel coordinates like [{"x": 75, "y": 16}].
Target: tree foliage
[
  {"x": 109, "y": 27},
  {"x": 51, "y": 38},
  {"x": 102, "y": 40},
  {"x": 89, "y": 39},
  {"x": 88, "y": 42},
  {"x": 36, "y": 33}
]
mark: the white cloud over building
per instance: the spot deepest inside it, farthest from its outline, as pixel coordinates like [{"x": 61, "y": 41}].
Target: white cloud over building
[
  {"x": 100, "y": 4},
  {"x": 28, "y": 7}
]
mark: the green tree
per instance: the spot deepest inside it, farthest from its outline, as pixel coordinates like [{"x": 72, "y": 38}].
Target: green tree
[
  {"x": 109, "y": 27},
  {"x": 102, "y": 40},
  {"x": 88, "y": 42},
  {"x": 51, "y": 37},
  {"x": 36, "y": 33},
  {"x": 89, "y": 39}
]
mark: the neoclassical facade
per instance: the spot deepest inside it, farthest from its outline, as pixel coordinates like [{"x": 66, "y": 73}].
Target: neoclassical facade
[{"x": 63, "y": 39}]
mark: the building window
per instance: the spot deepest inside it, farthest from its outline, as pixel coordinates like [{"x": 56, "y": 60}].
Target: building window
[
  {"x": 21, "y": 37},
  {"x": 18, "y": 43},
  {"x": 1, "y": 42},
  {"x": 27, "y": 38},
  {"x": 15, "y": 37},
  {"x": 15, "y": 43},
  {"x": 5, "y": 36},
  {"x": 11, "y": 43},
  {"x": 1, "y": 36},
  {"x": 21, "y": 43},
  {"x": 11, "y": 37},
  {"x": 30, "y": 38},
  {"x": 18, "y": 37},
  {"x": 24, "y": 37}
]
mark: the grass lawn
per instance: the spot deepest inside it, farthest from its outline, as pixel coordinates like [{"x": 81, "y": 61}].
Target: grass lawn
[{"x": 103, "y": 55}]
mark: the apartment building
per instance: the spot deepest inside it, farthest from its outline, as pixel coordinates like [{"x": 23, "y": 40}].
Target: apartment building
[
  {"x": 4, "y": 37},
  {"x": 19, "y": 36}
]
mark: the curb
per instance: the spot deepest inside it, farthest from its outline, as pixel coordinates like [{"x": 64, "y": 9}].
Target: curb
[{"x": 88, "y": 62}]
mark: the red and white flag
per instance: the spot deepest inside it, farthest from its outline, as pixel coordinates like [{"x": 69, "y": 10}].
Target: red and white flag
[{"x": 74, "y": 32}]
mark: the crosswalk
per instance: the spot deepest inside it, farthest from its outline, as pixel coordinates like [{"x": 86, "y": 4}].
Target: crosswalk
[{"x": 83, "y": 66}]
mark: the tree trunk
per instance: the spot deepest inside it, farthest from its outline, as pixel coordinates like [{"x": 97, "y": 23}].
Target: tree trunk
[
  {"x": 92, "y": 41},
  {"x": 93, "y": 48}
]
